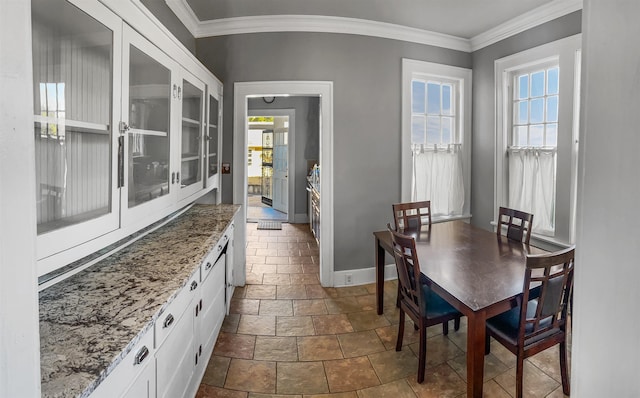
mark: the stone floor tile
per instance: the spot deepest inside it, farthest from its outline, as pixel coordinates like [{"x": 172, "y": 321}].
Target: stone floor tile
[
  {"x": 319, "y": 348},
  {"x": 393, "y": 365},
  {"x": 291, "y": 292},
  {"x": 295, "y": 326},
  {"x": 216, "y": 371},
  {"x": 207, "y": 391},
  {"x": 264, "y": 325},
  {"x": 251, "y": 376},
  {"x": 260, "y": 291},
  {"x": 367, "y": 320},
  {"x": 276, "y": 279},
  {"x": 396, "y": 389},
  {"x": 275, "y": 349},
  {"x": 289, "y": 268},
  {"x": 244, "y": 306},
  {"x": 309, "y": 307},
  {"x": 439, "y": 350},
  {"x": 440, "y": 381},
  {"x": 360, "y": 343},
  {"x": 332, "y": 324},
  {"x": 235, "y": 345},
  {"x": 301, "y": 378},
  {"x": 536, "y": 383},
  {"x": 276, "y": 307},
  {"x": 350, "y": 374}
]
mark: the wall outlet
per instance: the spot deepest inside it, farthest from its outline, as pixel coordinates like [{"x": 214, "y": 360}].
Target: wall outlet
[{"x": 348, "y": 279}]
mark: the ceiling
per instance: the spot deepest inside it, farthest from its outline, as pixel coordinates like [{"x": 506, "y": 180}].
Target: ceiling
[{"x": 461, "y": 20}]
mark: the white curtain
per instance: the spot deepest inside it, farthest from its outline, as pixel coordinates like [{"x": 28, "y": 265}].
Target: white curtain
[
  {"x": 532, "y": 182},
  {"x": 437, "y": 176}
]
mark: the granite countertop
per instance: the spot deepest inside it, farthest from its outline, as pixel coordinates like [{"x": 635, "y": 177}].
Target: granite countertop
[{"x": 91, "y": 320}]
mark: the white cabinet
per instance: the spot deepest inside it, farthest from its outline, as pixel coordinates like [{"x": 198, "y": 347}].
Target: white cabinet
[
  {"x": 124, "y": 133},
  {"x": 148, "y": 97},
  {"x": 213, "y": 144},
  {"x": 176, "y": 355},
  {"x": 191, "y": 95},
  {"x": 135, "y": 376},
  {"x": 76, "y": 72}
]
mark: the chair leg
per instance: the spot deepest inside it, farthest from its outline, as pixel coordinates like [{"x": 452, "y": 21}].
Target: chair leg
[
  {"x": 563, "y": 368},
  {"x": 422, "y": 355},
  {"x": 519, "y": 375},
  {"x": 400, "y": 331},
  {"x": 456, "y": 324},
  {"x": 445, "y": 328}
]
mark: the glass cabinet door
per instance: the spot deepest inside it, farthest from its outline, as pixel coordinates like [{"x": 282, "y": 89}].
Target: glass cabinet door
[
  {"x": 75, "y": 143},
  {"x": 212, "y": 142},
  {"x": 148, "y": 93},
  {"x": 191, "y": 150}
]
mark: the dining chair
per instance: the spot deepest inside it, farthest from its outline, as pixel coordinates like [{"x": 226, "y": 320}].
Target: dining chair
[
  {"x": 412, "y": 215},
  {"x": 539, "y": 323},
  {"x": 423, "y": 305},
  {"x": 518, "y": 224}
]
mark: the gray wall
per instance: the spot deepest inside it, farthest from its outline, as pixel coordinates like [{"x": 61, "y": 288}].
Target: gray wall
[
  {"x": 606, "y": 346},
  {"x": 366, "y": 73},
  {"x": 306, "y": 138},
  {"x": 164, "y": 14},
  {"x": 484, "y": 135}
]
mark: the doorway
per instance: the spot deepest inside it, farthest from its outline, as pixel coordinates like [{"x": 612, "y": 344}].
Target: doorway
[
  {"x": 324, "y": 91},
  {"x": 270, "y": 145}
]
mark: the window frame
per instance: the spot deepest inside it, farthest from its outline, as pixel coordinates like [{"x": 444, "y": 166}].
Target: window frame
[
  {"x": 566, "y": 52},
  {"x": 412, "y": 69}
]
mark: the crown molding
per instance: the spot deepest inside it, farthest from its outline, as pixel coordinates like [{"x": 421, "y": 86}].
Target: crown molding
[
  {"x": 328, "y": 24},
  {"x": 355, "y": 26},
  {"x": 538, "y": 16},
  {"x": 185, "y": 14}
]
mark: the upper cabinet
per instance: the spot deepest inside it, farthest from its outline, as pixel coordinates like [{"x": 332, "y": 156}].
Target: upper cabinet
[
  {"x": 213, "y": 141},
  {"x": 75, "y": 67},
  {"x": 149, "y": 96},
  {"x": 126, "y": 131},
  {"x": 191, "y": 94}
]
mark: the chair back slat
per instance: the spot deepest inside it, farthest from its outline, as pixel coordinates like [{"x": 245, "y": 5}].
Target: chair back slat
[
  {"x": 552, "y": 276},
  {"x": 412, "y": 215},
  {"x": 408, "y": 268},
  {"x": 518, "y": 224}
]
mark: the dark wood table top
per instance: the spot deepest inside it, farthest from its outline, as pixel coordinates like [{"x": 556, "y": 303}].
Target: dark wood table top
[{"x": 473, "y": 266}]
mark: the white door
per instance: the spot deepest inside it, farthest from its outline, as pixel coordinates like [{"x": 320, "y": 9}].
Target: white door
[{"x": 281, "y": 169}]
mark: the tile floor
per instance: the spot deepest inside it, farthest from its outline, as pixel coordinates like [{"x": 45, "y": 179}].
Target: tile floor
[{"x": 287, "y": 336}]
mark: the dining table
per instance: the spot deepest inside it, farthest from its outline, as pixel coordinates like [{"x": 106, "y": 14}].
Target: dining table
[{"x": 477, "y": 271}]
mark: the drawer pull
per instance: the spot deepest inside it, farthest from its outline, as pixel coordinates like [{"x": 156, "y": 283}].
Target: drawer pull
[
  {"x": 208, "y": 266},
  {"x": 168, "y": 321},
  {"x": 141, "y": 355},
  {"x": 194, "y": 285}
]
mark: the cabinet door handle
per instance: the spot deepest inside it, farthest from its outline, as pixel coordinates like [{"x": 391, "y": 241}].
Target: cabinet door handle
[
  {"x": 141, "y": 355},
  {"x": 194, "y": 285},
  {"x": 121, "y": 161},
  {"x": 168, "y": 321},
  {"x": 208, "y": 266},
  {"x": 178, "y": 176},
  {"x": 173, "y": 178}
]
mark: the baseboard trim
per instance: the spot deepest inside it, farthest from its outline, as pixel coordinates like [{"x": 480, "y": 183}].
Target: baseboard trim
[{"x": 362, "y": 276}]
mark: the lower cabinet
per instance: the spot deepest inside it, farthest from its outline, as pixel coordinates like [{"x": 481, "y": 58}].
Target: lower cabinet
[
  {"x": 171, "y": 358},
  {"x": 176, "y": 355},
  {"x": 135, "y": 376}
]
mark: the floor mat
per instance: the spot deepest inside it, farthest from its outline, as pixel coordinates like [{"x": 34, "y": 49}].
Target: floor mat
[{"x": 269, "y": 224}]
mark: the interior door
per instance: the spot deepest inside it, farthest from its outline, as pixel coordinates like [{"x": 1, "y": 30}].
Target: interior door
[{"x": 281, "y": 169}]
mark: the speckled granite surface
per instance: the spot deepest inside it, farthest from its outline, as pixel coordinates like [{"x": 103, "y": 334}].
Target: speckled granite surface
[{"x": 91, "y": 320}]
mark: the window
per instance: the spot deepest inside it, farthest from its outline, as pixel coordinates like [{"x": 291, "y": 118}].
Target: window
[
  {"x": 435, "y": 129},
  {"x": 536, "y": 136}
]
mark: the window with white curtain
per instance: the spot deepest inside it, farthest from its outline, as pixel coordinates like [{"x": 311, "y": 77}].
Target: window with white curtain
[
  {"x": 537, "y": 94},
  {"x": 436, "y": 126},
  {"x": 533, "y": 136}
]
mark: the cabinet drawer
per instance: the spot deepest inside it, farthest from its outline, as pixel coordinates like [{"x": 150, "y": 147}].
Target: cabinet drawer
[
  {"x": 214, "y": 254},
  {"x": 175, "y": 310},
  {"x": 126, "y": 372}
]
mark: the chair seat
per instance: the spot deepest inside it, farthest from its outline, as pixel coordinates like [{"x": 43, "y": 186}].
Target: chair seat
[
  {"x": 506, "y": 324},
  {"x": 436, "y": 305}
]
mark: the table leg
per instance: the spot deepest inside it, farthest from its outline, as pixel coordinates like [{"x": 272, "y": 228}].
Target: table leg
[
  {"x": 379, "y": 275},
  {"x": 475, "y": 355}
]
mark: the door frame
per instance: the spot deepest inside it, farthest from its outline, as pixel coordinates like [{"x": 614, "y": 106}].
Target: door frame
[
  {"x": 291, "y": 113},
  {"x": 321, "y": 89}
]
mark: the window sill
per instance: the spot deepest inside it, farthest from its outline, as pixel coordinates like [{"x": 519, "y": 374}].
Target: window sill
[{"x": 439, "y": 219}]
